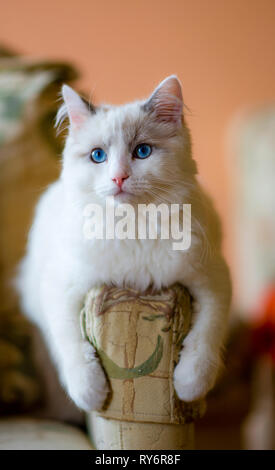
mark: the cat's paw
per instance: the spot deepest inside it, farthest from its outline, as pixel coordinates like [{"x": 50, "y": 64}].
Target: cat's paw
[
  {"x": 86, "y": 382},
  {"x": 195, "y": 375}
]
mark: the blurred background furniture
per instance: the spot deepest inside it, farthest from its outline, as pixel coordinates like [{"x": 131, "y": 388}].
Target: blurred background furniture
[
  {"x": 253, "y": 145},
  {"x": 29, "y": 152}
]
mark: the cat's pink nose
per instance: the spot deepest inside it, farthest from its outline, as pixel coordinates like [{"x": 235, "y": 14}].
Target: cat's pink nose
[{"x": 119, "y": 180}]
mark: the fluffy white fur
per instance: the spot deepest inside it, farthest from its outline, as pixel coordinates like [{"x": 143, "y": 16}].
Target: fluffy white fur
[{"x": 61, "y": 266}]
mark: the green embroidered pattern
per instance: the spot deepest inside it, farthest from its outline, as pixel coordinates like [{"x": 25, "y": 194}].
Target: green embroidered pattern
[{"x": 147, "y": 367}]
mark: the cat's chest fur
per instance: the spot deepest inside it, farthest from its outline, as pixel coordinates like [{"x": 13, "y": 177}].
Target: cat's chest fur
[{"x": 138, "y": 263}]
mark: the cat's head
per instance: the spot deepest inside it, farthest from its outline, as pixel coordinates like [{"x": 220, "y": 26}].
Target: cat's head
[{"x": 137, "y": 152}]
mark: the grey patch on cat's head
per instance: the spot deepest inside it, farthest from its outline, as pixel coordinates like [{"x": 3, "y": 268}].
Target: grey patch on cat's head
[{"x": 149, "y": 105}]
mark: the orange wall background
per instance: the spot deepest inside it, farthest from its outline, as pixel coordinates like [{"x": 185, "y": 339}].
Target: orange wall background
[{"x": 222, "y": 50}]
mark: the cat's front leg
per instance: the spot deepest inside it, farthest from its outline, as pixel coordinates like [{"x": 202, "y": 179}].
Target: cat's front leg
[
  {"x": 85, "y": 380},
  {"x": 79, "y": 368},
  {"x": 201, "y": 355}
]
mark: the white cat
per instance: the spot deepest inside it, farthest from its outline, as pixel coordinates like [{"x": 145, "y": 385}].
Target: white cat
[{"x": 139, "y": 153}]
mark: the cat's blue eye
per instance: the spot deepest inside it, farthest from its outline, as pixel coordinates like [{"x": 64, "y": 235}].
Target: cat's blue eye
[
  {"x": 98, "y": 155},
  {"x": 143, "y": 151}
]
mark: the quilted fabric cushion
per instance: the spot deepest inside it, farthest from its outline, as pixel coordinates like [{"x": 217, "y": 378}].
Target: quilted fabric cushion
[{"x": 138, "y": 337}]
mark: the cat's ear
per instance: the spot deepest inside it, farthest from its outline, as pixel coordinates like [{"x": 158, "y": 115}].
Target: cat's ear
[
  {"x": 76, "y": 108},
  {"x": 166, "y": 101}
]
